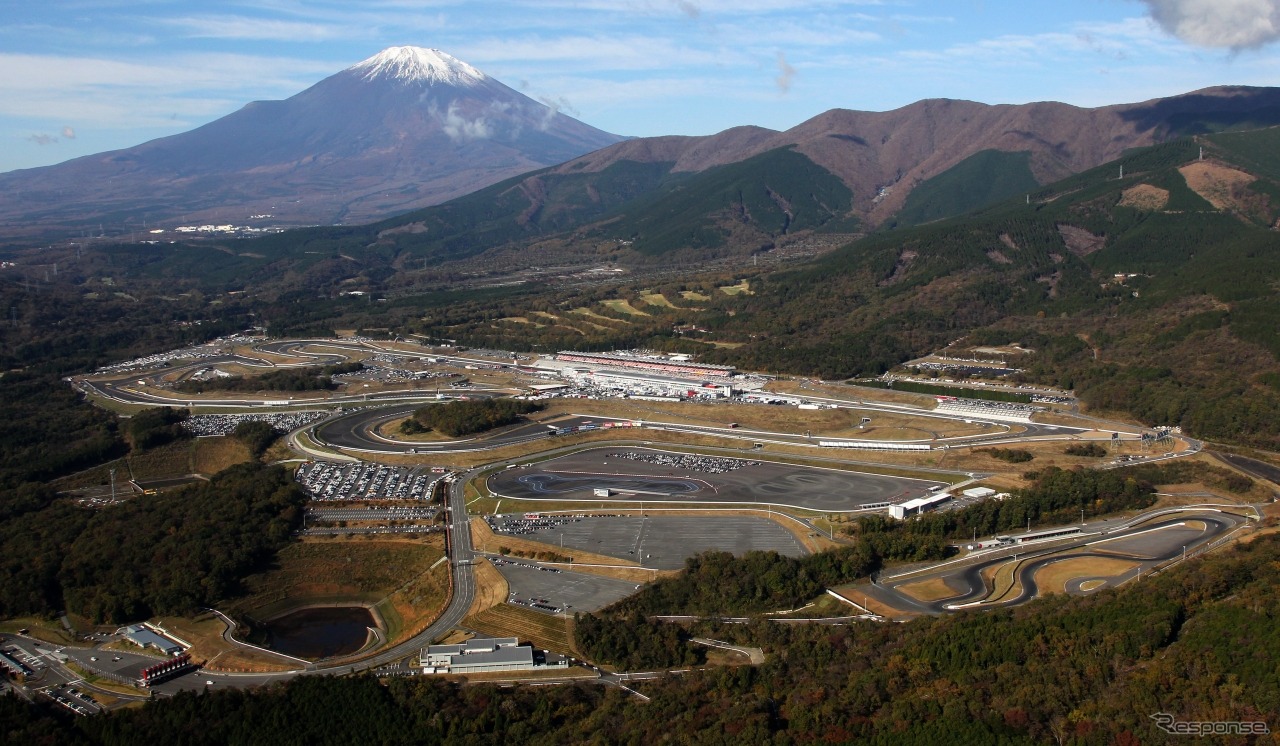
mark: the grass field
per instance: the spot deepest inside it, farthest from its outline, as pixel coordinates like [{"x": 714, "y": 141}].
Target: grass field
[
  {"x": 395, "y": 575},
  {"x": 933, "y": 589},
  {"x": 391, "y": 429},
  {"x": 856, "y": 593},
  {"x": 1054, "y": 578},
  {"x": 621, "y": 305},
  {"x": 694, "y": 295},
  {"x": 205, "y": 456},
  {"x": 657, "y": 299},
  {"x": 743, "y": 287},
  {"x": 48, "y": 630},
  {"x": 492, "y": 588},
  {"x": 212, "y": 455},
  {"x": 599, "y": 317},
  {"x": 543, "y": 630}
]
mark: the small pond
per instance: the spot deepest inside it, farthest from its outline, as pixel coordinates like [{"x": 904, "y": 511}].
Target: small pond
[{"x": 321, "y": 632}]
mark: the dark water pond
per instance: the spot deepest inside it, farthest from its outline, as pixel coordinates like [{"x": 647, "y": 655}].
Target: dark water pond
[{"x": 320, "y": 633}]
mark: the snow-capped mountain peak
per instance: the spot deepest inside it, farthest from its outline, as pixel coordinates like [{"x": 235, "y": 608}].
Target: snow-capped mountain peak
[{"x": 418, "y": 65}]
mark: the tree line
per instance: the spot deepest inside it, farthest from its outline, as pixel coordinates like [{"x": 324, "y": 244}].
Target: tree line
[
  {"x": 170, "y": 553},
  {"x": 1197, "y": 641},
  {"x": 311, "y": 378}
]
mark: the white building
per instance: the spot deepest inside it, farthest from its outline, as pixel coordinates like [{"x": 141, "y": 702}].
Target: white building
[
  {"x": 918, "y": 505},
  {"x": 485, "y": 654}
]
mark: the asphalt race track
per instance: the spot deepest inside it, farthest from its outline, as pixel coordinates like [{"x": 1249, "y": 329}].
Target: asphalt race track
[
  {"x": 1146, "y": 544},
  {"x": 356, "y": 431}
]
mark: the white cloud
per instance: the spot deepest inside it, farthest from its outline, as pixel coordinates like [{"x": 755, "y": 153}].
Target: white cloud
[
  {"x": 1223, "y": 24},
  {"x": 169, "y": 93},
  {"x": 786, "y": 73},
  {"x": 257, "y": 29},
  {"x": 613, "y": 53},
  {"x": 68, "y": 133},
  {"x": 461, "y": 129}
]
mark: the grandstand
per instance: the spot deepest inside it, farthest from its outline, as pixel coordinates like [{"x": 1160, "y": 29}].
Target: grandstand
[
  {"x": 653, "y": 364},
  {"x": 875, "y": 445},
  {"x": 986, "y": 410}
]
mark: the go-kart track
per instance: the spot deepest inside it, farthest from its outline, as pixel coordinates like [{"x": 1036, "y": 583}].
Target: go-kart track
[
  {"x": 638, "y": 475},
  {"x": 1139, "y": 546}
]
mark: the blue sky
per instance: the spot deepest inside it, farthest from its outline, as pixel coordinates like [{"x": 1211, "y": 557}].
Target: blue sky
[{"x": 83, "y": 76}]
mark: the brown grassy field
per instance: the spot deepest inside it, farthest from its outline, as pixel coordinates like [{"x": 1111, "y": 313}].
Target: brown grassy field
[
  {"x": 212, "y": 455},
  {"x": 657, "y": 299},
  {"x": 41, "y": 629},
  {"x": 933, "y": 589},
  {"x": 491, "y": 588},
  {"x": 621, "y": 305},
  {"x": 396, "y": 575},
  {"x": 206, "y": 456},
  {"x": 855, "y": 593},
  {"x": 1054, "y": 578},
  {"x": 391, "y": 429},
  {"x": 834, "y": 422},
  {"x": 543, "y": 630}
]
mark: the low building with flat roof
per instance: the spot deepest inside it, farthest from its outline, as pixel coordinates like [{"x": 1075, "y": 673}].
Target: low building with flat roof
[
  {"x": 145, "y": 637},
  {"x": 486, "y": 654},
  {"x": 918, "y": 505}
]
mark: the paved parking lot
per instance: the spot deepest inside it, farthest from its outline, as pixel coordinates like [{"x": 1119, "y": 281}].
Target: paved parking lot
[
  {"x": 640, "y": 474},
  {"x": 551, "y": 591},
  {"x": 664, "y": 541},
  {"x": 365, "y": 481}
]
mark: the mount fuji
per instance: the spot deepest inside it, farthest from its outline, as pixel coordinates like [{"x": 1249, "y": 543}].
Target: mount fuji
[{"x": 406, "y": 128}]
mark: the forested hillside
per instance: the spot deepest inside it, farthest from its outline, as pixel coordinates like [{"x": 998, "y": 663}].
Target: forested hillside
[
  {"x": 171, "y": 553},
  {"x": 1196, "y": 642},
  {"x": 1155, "y": 293}
]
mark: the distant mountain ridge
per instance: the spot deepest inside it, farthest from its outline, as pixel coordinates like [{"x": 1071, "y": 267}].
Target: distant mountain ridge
[
  {"x": 882, "y": 156},
  {"x": 846, "y": 172},
  {"x": 405, "y": 128}
]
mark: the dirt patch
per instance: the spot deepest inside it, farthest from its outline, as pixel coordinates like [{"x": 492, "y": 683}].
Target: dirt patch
[
  {"x": 1144, "y": 197},
  {"x": 1052, "y": 281},
  {"x": 1080, "y": 241},
  {"x": 1007, "y": 240},
  {"x": 998, "y": 256},
  {"x": 1224, "y": 188}
]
